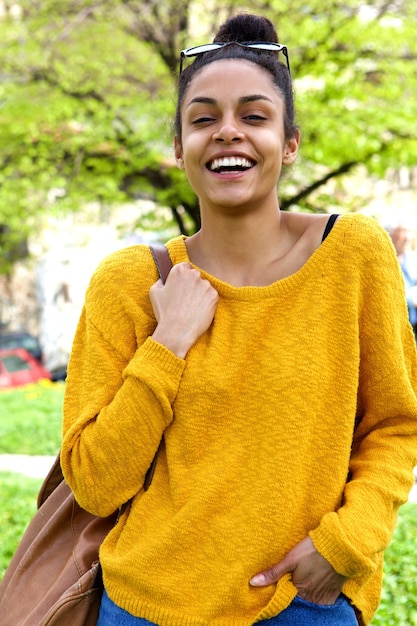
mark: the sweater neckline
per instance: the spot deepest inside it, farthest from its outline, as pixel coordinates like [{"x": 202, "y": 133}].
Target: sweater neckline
[{"x": 179, "y": 254}]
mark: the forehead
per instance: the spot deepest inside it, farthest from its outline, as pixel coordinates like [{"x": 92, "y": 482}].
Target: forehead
[{"x": 231, "y": 78}]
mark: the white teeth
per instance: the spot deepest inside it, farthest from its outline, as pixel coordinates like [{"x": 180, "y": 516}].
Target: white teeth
[{"x": 233, "y": 161}]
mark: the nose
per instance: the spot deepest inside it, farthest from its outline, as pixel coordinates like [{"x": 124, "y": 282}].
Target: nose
[{"x": 228, "y": 132}]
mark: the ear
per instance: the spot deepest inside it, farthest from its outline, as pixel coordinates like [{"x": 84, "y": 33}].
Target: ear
[
  {"x": 178, "y": 153},
  {"x": 291, "y": 149}
]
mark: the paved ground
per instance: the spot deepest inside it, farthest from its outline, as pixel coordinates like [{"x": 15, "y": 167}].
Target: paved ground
[
  {"x": 32, "y": 466},
  {"x": 39, "y": 466}
]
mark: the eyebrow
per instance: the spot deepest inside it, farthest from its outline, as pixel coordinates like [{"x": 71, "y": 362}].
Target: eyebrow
[{"x": 242, "y": 100}]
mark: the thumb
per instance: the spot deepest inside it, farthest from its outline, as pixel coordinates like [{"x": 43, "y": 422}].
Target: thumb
[{"x": 273, "y": 574}]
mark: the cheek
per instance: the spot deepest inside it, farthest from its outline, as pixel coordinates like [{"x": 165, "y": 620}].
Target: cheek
[
  {"x": 191, "y": 152},
  {"x": 190, "y": 162},
  {"x": 193, "y": 173}
]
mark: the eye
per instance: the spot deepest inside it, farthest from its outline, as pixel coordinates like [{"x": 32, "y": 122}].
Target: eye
[
  {"x": 255, "y": 117},
  {"x": 203, "y": 119}
]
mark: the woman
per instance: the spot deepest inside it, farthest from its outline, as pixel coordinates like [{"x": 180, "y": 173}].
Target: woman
[{"x": 276, "y": 364}]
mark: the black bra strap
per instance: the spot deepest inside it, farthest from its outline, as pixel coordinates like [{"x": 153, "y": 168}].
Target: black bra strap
[{"x": 329, "y": 225}]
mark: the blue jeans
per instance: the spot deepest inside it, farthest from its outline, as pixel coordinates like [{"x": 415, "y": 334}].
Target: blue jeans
[
  {"x": 299, "y": 613},
  {"x": 304, "y": 613}
]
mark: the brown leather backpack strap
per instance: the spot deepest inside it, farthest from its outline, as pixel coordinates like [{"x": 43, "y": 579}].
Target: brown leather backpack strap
[
  {"x": 164, "y": 265},
  {"x": 162, "y": 260}
]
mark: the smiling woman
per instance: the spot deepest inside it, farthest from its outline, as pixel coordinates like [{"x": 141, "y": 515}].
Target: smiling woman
[
  {"x": 275, "y": 371},
  {"x": 233, "y": 143}
]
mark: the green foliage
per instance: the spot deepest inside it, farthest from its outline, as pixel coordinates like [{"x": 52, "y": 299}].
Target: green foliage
[
  {"x": 31, "y": 418},
  {"x": 87, "y": 95},
  {"x": 83, "y": 107},
  {"x": 354, "y": 78}
]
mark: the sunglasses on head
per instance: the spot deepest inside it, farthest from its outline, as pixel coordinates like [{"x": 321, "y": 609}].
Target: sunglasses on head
[{"x": 255, "y": 45}]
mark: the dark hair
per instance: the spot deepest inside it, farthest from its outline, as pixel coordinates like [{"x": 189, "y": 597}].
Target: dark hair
[{"x": 244, "y": 27}]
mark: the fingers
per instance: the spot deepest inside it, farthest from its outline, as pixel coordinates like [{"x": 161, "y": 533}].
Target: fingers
[
  {"x": 184, "y": 308},
  {"x": 312, "y": 575},
  {"x": 176, "y": 270},
  {"x": 271, "y": 575}
]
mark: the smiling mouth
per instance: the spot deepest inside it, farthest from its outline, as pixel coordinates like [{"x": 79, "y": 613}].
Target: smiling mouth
[{"x": 230, "y": 164}]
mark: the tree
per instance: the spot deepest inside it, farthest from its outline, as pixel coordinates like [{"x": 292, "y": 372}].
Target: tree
[
  {"x": 354, "y": 83},
  {"x": 87, "y": 91}
]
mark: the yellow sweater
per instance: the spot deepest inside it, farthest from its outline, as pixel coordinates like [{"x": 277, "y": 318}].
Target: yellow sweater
[{"x": 257, "y": 423}]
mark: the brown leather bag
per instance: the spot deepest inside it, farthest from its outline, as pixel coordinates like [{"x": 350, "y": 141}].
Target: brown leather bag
[{"x": 54, "y": 577}]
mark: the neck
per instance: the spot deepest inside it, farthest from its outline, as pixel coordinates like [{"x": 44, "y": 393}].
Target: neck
[{"x": 237, "y": 250}]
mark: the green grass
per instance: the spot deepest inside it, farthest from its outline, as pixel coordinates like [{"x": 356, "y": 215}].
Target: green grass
[
  {"x": 399, "y": 592},
  {"x": 30, "y": 423},
  {"x": 31, "y": 418},
  {"x": 17, "y": 506}
]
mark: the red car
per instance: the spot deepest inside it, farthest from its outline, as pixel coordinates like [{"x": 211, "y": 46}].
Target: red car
[{"x": 18, "y": 367}]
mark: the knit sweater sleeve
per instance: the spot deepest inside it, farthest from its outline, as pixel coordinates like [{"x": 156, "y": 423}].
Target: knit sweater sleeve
[
  {"x": 120, "y": 386},
  {"x": 384, "y": 449}
]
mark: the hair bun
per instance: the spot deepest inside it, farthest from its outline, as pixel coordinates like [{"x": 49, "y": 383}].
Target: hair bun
[{"x": 246, "y": 27}]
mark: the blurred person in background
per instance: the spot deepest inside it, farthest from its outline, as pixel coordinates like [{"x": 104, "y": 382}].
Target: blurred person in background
[{"x": 403, "y": 236}]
